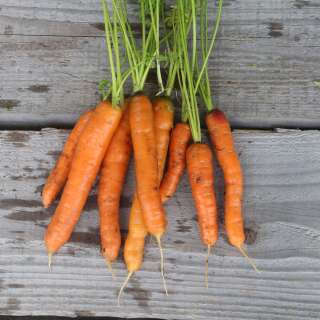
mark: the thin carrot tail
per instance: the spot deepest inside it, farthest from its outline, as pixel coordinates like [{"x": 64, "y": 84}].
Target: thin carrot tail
[
  {"x": 124, "y": 285},
  {"x": 49, "y": 261},
  {"x": 162, "y": 265},
  {"x": 207, "y": 267},
  {"x": 250, "y": 261},
  {"x": 109, "y": 265}
]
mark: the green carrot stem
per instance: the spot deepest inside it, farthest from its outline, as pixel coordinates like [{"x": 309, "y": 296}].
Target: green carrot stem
[{"x": 212, "y": 43}]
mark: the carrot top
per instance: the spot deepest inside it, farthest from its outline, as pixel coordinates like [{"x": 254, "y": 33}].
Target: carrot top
[
  {"x": 118, "y": 77},
  {"x": 203, "y": 82},
  {"x": 186, "y": 19},
  {"x": 193, "y": 73},
  {"x": 141, "y": 56}
]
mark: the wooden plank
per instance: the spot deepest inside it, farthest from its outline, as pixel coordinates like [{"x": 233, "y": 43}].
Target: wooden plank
[
  {"x": 264, "y": 69},
  {"x": 282, "y": 199}
]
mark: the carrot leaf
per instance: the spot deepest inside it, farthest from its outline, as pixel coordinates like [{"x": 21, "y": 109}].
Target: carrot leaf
[{"x": 112, "y": 46}]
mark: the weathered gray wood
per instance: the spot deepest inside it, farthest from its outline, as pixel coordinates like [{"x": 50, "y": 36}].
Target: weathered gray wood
[
  {"x": 263, "y": 71},
  {"x": 282, "y": 199}
]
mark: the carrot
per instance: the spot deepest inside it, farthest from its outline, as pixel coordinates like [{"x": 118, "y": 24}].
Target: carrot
[
  {"x": 147, "y": 214},
  {"x": 221, "y": 137},
  {"x": 163, "y": 123},
  {"x": 112, "y": 176},
  {"x": 134, "y": 245},
  {"x": 88, "y": 156},
  {"x": 180, "y": 138},
  {"x": 201, "y": 176},
  {"x": 59, "y": 174},
  {"x": 146, "y": 166},
  {"x": 141, "y": 57},
  {"x": 199, "y": 156}
]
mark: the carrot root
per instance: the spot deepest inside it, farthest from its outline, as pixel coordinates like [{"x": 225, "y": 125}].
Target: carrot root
[
  {"x": 207, "y": 267},
  {"x": 124, "y": 286},
  {"x": 49, "y": 261},
  {"x": 250, "y": 261},
  {"x": 109, "y": 265},
  {"x": 162, "y": 265}
]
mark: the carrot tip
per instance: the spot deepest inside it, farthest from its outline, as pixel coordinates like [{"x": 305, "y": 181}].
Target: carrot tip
[
  {"x": 250, "y": 261},
  {"x": 49, "y": 261},
  {"x": 109, "y": 265},
  {"x": 45, "y": 204},
  {"x": 207, "y": 267},
  {"x": 162, "y": 265},
  {"x": 124, "y": 285}
]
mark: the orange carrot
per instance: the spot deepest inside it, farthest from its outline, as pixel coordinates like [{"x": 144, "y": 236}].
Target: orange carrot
[
  {"x": 112, "y": 177},
  {"x": 146, "y": 166},
  {"x": 201, "y": 176},
  {"x": 88, "y": 156},
  {"x": 180, "y": 137},
  {"x": 59, "y": 174},
  {"x": 134, "y": 245},
  {"x": 221, "y": 137},
  {"x": 163, "y": 123}
]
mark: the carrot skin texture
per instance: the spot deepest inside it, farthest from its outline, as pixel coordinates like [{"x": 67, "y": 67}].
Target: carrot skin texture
[
  {"x": 201, "y": 176},
  {"x": 88, "y": 156},
  {"x": 112, "y": 176},
  {"x": 58, "y": 176},
  {"x": 134, "y": 245},
  {"x": 180, "y": 138},
  {"x": 146, "y": 165},
  {"x": 163, "y": 123},
  {"x": 222, "y": 140}
]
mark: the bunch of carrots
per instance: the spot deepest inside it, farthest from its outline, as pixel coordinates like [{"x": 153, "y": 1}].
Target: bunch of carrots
[{"x": 104, "y": 137}]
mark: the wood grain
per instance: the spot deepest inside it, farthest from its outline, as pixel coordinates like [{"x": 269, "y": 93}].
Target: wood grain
[
  {"x": 263, "y": 71},
  {"x": 282, "y": 199}
]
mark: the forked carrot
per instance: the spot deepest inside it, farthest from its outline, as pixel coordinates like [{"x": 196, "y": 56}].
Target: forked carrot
[
  {"x": 88, "y": 156},
  {"x": 112, "y": 177},
  {"x": 222, "y": 140},
  {"x": 142, "y": 130},
  {"x": 59, "y": 173},
  {"x": 146, "y": 165},
  {"x": 179, "y": 140},
  {"x": 134, "y": 245}
]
